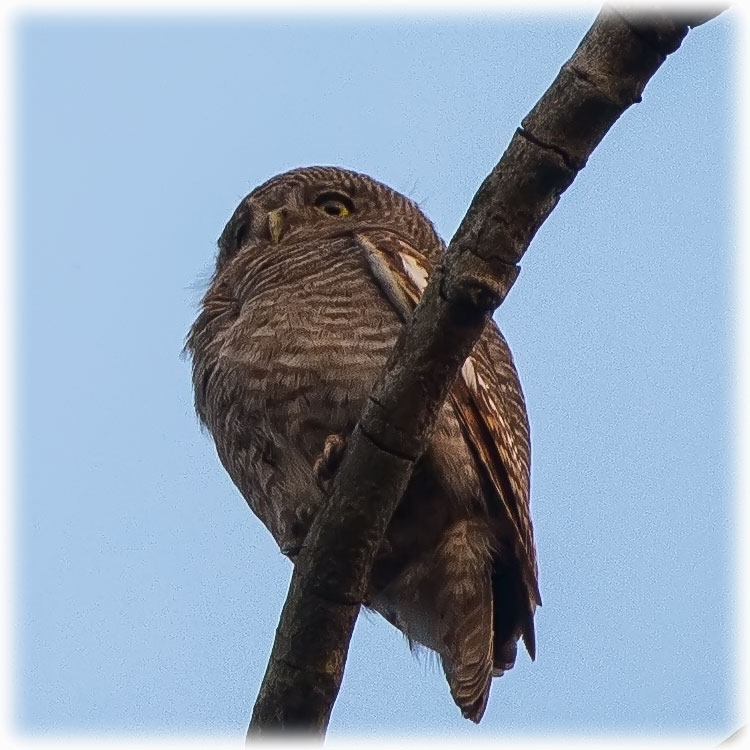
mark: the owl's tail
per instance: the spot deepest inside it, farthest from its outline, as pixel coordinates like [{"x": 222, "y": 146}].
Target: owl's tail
[
  {"x": 466, "y": 617},
  {"x": 470, "y": 673},
  {"x": 513, "y": 611}
]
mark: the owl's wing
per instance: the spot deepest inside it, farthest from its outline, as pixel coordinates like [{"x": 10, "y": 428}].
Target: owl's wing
[{"x": 486, "y": 398}]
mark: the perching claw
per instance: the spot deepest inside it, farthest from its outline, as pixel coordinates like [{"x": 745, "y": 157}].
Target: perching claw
[{"x": 329, "y": 460}]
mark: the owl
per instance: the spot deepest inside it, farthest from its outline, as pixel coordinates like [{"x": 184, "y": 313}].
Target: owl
[{"x": 318, "y": 270}]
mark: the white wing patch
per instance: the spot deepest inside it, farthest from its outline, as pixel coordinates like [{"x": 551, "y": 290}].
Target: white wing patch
[
  {"x": 476, "y": 382},
  {"x": 384, "y": 275},
  {"x": 415, "y": 271},
  {"x": 469, "y": 374}
]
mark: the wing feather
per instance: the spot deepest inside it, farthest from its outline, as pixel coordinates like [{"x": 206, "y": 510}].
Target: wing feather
[{"x": 486, "y": 398}]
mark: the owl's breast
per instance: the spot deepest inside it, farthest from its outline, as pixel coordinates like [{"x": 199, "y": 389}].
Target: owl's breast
[
  {"x": 322, "y": 324},
  {"x": 299, "y": 361}
]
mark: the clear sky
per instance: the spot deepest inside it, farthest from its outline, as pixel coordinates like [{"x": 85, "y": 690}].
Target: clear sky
[{"x": 148, "y": 594}]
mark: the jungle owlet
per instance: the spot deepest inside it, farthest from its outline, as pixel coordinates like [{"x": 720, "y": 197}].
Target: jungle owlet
[{"x": 317, "y": 270}]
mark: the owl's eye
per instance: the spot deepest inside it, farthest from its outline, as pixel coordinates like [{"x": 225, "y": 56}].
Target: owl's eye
[{"x": 334, "y": 204}]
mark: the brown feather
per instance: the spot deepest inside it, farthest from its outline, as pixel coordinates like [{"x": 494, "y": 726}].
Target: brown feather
[
  {"x": 485, "y": 425},
  {"x": 300, "y": 317}
]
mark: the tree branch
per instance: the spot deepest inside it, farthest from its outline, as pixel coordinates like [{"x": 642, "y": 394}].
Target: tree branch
[{"x": 605, "y": 75}]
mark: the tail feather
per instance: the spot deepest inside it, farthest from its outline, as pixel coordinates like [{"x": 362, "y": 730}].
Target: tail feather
[
  {"x": 469, "y": 669},
  {"x": 513, "y": 613},
  {"x": 464, "y": 607}
]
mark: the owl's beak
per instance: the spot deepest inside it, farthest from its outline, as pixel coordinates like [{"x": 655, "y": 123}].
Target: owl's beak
[{"x": 276, "y": 224}]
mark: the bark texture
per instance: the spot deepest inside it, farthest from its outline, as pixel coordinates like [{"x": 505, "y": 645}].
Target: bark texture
[{"x": 606, "y": 74}]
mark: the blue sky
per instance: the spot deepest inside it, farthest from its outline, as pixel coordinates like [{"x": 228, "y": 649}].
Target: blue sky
[{"x": 148, "y": 594}]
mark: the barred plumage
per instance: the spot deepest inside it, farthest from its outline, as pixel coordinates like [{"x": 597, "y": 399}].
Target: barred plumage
[{"x": 317, "y": 271}]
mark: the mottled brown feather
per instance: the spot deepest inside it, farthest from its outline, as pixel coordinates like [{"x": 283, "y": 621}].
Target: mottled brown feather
[{"x": 291, "y": 335}]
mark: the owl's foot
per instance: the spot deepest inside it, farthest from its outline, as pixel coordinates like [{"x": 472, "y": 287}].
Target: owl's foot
[{"x": 328, "y": 461}]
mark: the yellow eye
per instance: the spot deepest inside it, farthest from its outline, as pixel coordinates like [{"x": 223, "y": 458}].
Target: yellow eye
[{"x": 334, "y": 204}]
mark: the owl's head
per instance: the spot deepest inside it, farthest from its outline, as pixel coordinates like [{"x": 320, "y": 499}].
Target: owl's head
[{"x": 318, "y": 203}]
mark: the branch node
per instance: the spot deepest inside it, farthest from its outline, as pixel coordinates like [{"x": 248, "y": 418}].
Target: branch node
[
  {"x": 378, "y": 440},
  {"x": 475, "y": 283},
  {"x": 573, "y": 164}
]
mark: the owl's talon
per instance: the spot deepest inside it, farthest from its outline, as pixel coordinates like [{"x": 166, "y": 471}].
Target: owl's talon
[{"x": 328, "y": 461}]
